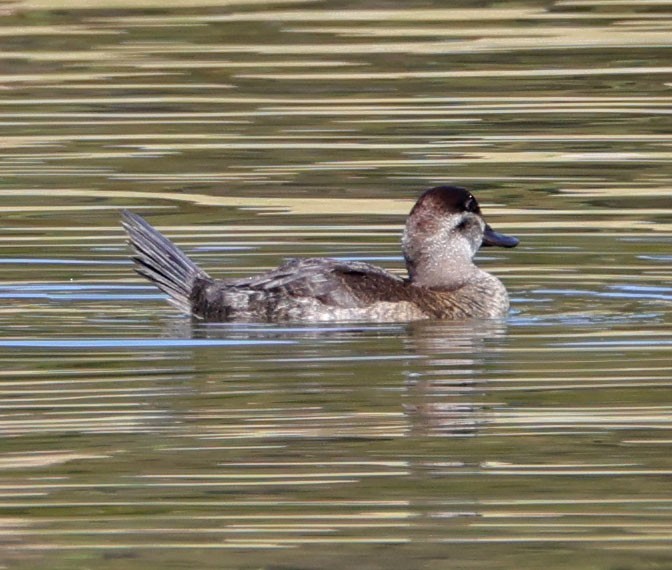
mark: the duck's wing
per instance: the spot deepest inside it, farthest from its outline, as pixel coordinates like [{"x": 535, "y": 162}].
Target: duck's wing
[{"x": 332, "y": 282}]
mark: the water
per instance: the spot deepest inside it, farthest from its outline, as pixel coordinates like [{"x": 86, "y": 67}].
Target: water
[{"x": 251, "y": 132}]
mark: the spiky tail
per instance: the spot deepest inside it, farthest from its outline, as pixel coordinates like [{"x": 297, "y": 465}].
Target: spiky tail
[{"x": 161, "y": 261}]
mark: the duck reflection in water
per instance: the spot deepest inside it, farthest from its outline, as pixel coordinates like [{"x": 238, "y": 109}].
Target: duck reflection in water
[
  {"x": 437, "y": 369},
  {"x": 446, "y": 387}
]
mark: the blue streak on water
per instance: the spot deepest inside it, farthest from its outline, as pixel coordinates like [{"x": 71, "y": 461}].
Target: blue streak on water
[
  {"x": 598, "y": 343},
  {"x": 83, "y": 297},
  {"x": 641, "y": 289},
  {"x": 224, "y": 248},
  {"x": 52, "y": 261},
  {"x": 661, "y": 258},
  {"x": 587, "y": 320},
  {"x": 72, "y": 286},
  {"x": 367, "y": 257},
  {"x": 616, "y": 292},
  {"x": 79, "y": 292},
  {"x": 134, "y": 343}
]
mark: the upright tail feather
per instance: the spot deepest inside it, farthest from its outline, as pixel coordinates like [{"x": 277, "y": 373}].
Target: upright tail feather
[{"x": 161, "y": 261}]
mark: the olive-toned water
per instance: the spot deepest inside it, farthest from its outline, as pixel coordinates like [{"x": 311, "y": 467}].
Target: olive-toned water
[{"x": 252, "y": 131}]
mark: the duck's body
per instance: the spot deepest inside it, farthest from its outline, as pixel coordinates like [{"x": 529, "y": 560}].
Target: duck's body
[{"x": 443, "y": 232}]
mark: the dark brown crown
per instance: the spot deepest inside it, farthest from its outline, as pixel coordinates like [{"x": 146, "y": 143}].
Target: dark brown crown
[{"x": 448, "y": 200}]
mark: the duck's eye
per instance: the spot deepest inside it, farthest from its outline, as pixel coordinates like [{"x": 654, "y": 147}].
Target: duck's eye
[{"x": 471, "y": 205}]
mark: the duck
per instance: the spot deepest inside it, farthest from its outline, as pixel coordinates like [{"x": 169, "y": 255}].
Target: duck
[{"x": 443, "y": 231}]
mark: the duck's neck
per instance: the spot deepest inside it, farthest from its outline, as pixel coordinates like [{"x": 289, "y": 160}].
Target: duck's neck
[{"x": 435, "y": 267}]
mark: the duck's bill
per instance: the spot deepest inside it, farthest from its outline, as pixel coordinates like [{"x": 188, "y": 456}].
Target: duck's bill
[{"x": 491, "y": 237}]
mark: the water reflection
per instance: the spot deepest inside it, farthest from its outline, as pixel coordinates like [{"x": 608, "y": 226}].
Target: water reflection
[
  {"x": 443, "y": 391},
  {"x": 252, "y": 132},
  {"x": 447, "y": 374}
]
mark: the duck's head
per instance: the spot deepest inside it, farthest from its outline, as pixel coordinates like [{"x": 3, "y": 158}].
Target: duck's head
[{"x": 443, "y": 232}]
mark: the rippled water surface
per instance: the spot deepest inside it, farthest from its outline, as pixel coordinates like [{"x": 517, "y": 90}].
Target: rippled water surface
[{"x": 254, "y": 131}]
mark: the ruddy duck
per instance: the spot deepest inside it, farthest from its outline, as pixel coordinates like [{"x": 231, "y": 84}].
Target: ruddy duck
[{"x": 443, "y": 232}]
